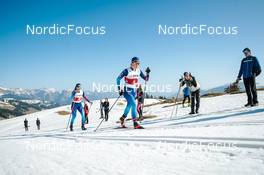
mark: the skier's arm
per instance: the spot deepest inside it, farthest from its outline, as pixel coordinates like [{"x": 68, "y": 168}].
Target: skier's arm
[
  {"x": 85, "y": 97},
  {"x": 72, "y": 95},
  {"x": 119, "y": 78},
  {"x": 240, "y": 71},
  {"x": 256, "y": 62},
  {"x": 182, "y": 83},
  {"x": 143, "y": 76},
  {"x": 193, "y": 82}
]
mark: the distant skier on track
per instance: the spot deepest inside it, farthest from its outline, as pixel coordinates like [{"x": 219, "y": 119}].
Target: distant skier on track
[
  {"x": 194, "y": 86},
  {"x": 106, "y": 109},
  {"x": 78, "y": 97},
  {"x": 250, "y": 69},
  {"x": 131, "y": 76},
  {"x": 38, "y": 123},
  {"x": 26, "y": 124}
]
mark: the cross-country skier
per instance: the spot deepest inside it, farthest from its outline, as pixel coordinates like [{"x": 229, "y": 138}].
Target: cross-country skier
[
  {"x": 186, "y": 95},
  {"x": 106, "y": 108},
  {"x": 78, "y": 97},
  {"x": 86, "y": 112},
  {"x": 250, "y": 69},
  {"x": 26, "y": 124},
  {"x": 131, "y": 76},
  {"x": 38, "y": 123},
  {"x": 140, "y": 101},
  {"x": 194, "y": 86}
]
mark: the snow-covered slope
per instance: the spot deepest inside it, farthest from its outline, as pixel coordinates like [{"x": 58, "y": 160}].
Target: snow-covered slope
[{"x": 225, "y": 138}]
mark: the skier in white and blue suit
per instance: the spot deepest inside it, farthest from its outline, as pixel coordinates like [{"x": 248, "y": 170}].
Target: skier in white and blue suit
[{"x": 131, "y": 76}]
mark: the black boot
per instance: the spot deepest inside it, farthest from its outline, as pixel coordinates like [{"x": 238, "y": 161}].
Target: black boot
[
  {"x": 137, "y": 126},
  {"x": 122, "y": 121},
  {"x": 71, "y": 128},
  {"x": 248, "y": 104},
  {"x": 83, "y": 127},
  {"x": 197, "y": 111}
]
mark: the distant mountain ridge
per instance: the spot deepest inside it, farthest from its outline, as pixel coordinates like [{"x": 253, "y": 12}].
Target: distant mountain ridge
[{"x": 59, "y": 97}]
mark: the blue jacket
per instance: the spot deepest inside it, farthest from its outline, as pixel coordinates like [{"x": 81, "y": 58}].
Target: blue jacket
[
  {"x": 186, "y": 91},
  {"x": 249, "y": 67}
]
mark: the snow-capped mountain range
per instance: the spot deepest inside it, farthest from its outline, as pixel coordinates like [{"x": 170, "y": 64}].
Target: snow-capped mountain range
[{"x": 59, "y": 97}]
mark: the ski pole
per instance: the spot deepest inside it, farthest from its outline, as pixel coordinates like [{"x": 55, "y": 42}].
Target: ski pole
[
  {"x": 144, "y": 96},
  {"x": 69, "y": 119},
  {"x": 108, "y": 112},
  {"x": 145, "y": 89},
  {"x": 176, "y": 106},
  {"x": 68, "y": 123}
]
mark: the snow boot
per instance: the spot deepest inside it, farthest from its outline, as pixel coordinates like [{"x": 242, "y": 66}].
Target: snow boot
[
  {"x": 192, "y": 113},
  {"x": 71, "y": 128},
  {"x": 83, "y": 127},
  {"x": 122, "y": 121},
  {"x": 137, "y": 126},
  {"x": 248, "y": 104},
  {"x": 197, "y": 111}
]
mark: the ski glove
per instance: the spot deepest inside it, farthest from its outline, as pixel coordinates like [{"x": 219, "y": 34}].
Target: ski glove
[
  {"x": 148, "y": 70},
  {"x": 237, "y": 80}
]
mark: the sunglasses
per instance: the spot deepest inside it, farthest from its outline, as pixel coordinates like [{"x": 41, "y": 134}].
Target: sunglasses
[{"x": 138, "y": 63}]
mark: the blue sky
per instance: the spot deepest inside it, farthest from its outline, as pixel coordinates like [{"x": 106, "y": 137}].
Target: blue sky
[{"x": 60, "y": 61}]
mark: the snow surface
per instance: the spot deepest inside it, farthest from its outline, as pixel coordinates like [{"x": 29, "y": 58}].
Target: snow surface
[{"x": 225, "y": 138}]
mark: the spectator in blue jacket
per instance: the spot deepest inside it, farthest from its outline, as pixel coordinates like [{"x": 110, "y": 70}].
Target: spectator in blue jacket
[{"x": 250, "y": 69}]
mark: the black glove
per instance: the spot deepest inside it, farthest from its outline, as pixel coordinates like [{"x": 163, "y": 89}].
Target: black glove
[
  {"x": 181, "y": 79},
  {"x": 237, "y": 80},
  {"x": 121, "y": 92},
  {"x": 148, "y": 70}
]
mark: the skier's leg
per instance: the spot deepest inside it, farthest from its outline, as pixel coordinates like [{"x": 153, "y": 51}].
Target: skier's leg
[
  {"x": 140, "y": 110},
  {"x": 81, "y": 110},
  {"x": 138, "y": 107},
  {"x": 184, "y": 98},
  {"x": 248, "y": 90},
  {"x": 131, "y": 101},
  {"x": 197, "y": 93},
  {"x": 128, "y": 107},
  {"x": 86, "y": 119},
  {"x": 192, "y": 101},
  {"x": 254, "y": 90},
  {"x": 73, "y": 114},
  {"x": 106, "y": 115}
]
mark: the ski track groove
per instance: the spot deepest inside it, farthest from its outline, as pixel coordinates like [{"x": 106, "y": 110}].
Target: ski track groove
[{"x": 166, "y": 139}]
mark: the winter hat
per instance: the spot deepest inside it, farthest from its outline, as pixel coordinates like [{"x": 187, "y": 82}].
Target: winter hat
[
  {"x": 247, "y": 49},
  {"x": 134, "y": 59},
  {"x": 77, "y": 85},
  {"x": 185, "y": 74}
]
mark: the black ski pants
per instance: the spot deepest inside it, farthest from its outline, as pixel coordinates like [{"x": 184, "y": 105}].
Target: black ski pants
[
  {"x": 195, "y": 96},
  {"x": 251, "y": 90}
]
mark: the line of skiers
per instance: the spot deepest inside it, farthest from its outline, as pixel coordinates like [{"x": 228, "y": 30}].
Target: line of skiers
[
  {"x": 249, "y": 69},
  {"x": 26, "y": 126}
]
